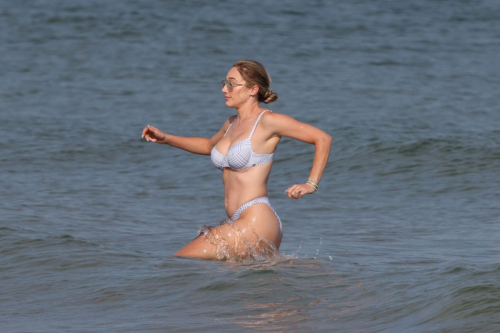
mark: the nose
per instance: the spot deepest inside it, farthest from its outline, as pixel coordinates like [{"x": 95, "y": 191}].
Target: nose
[{"x": 224, "y": 88}]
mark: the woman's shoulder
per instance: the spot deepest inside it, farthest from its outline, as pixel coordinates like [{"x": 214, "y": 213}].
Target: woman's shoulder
[
  {"x": 229, "y": 120},
  {"x": 271, "y": 117},
  {"x": 275, "y": 122},
  {"x": 228, "y": 123}
]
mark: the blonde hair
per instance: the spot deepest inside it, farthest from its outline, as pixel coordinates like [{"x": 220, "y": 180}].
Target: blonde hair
[{"x": 255, "y": 74}]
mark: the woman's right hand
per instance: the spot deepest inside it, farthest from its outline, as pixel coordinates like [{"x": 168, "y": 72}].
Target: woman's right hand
[{"x": 152, "y": 134}]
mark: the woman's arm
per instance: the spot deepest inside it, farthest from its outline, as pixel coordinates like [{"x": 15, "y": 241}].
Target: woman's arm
[
  {"x": 196, "y": 145},
  {"x": 283, "y": 125}
]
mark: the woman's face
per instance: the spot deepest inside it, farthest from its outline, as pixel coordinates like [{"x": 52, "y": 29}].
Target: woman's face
[{"x": 238, "y": 94}]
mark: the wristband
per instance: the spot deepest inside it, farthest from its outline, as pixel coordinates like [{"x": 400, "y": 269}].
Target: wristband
[{"x": 312, "y": 183}]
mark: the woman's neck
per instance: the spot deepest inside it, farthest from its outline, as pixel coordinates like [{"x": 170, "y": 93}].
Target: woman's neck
[{"x": 246, "y": 112}]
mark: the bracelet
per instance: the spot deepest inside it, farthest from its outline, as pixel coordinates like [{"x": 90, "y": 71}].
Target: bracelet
[{"x": 312, "y": 183}]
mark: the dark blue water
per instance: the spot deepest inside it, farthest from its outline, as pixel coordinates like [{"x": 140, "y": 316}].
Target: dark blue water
[{"x": 401, "y": 237}]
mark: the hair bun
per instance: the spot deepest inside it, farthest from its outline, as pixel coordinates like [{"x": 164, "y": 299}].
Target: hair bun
[{"x": 270, "y": 96}]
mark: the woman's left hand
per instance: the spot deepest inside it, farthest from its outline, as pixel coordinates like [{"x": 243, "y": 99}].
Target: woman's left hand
[{"x": 297, "y": 191}]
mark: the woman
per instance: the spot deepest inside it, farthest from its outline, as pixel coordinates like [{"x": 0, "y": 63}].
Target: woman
[{"x": 243, "y": 149}]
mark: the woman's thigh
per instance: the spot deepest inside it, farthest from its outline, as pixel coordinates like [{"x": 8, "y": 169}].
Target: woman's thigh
[{"x": 257, "y": 226}]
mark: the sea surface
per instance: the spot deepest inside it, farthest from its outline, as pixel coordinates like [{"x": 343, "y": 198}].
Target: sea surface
[{"x": 402, "y": 236}]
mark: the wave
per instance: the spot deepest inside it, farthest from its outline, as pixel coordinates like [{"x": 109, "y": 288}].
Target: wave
[{"x": 441, "y": 156}]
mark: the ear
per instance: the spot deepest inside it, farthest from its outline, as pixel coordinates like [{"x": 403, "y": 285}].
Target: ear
[{"x": 254, "y": 90}]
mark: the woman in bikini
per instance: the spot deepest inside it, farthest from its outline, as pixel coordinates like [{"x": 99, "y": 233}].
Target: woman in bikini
[{"x": 243, "y": 149}]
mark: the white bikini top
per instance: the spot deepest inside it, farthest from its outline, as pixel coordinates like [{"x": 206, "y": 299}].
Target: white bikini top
[{"x": 240, "y": 155}]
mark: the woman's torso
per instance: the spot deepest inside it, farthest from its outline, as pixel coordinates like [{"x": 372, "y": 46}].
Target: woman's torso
[
  {"x": 245, "y": 155},
  {"x": 243, "y": 186}
]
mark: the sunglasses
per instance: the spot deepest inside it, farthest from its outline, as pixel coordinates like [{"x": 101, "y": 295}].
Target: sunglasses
[{"x": 229, "y": 84}]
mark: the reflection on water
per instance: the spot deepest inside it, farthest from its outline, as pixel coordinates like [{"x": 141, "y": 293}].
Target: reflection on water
[
  {"x": 282, "y": 314},
  {"x": 279, "y": 303}
]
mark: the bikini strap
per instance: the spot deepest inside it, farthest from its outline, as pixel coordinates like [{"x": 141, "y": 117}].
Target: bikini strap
[
  {"x": 230, "y": 124},
  {"x": 257, "y": 122}
]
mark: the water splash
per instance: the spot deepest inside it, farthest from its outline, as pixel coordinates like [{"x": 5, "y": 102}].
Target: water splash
[
  {"x": 320, "y": 243},
  {"x": 234, "y": 246}
]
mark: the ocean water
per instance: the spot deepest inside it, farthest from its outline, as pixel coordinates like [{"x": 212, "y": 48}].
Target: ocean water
[{"x": 402, "y": 236}]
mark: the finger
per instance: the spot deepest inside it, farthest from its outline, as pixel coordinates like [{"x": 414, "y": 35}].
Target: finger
[
  {"x": 291, "y": 191},
  {"x": 153, "y": 129},
  {"x": 148, "y": 132}
]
